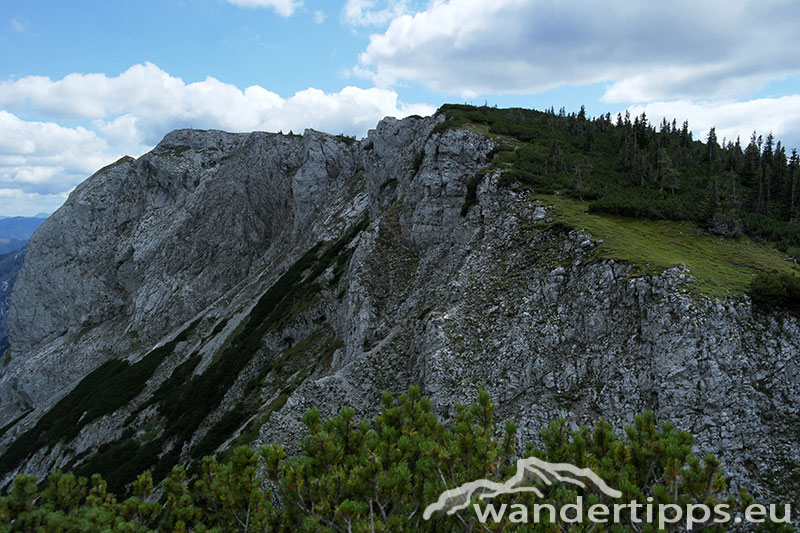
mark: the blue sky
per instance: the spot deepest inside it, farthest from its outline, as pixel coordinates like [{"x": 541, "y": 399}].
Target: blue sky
[{"x": 84, "y": 82}]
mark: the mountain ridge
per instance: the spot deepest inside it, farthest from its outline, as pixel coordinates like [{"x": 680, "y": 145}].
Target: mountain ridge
[{"x": 217, "y": 244}]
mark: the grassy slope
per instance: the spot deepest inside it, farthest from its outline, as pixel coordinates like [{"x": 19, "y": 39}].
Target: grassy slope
[{"x": 722, "y": 267}]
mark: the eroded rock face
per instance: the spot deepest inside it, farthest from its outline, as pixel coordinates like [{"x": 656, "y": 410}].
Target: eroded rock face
[
  {"x": 146, "y": 244},
  {"x": 10, "y": 265},
  {"x": 199, "y": 228},
  {"x": 551, "y": 333}
]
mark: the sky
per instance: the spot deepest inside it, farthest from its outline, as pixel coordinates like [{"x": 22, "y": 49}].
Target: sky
[{"x": 83, "y": 83}]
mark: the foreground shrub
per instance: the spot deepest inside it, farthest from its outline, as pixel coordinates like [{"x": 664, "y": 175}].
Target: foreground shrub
[
  {"x": 378, "y": 475},
  {"x": 781, "y": 291}
]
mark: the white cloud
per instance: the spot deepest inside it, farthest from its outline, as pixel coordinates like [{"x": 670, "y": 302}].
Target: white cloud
[
  {"x": 781, "y": 116},
  {"x": 46, "y": 158},
  {"x": 644, "y": 50},
  {"x": 14, "y": 202},
  {"x": 19, "y": 24},
  {"x": 284, "y": 8},
  {"x": 143, "y": 103},
  {"x": 87, "y": 96},
  {"x": 367, "y": 13},
  {"x": 121, "y": 131},
  {"x": 130, "y": 113},
  {"x": 319, "y": 17}
]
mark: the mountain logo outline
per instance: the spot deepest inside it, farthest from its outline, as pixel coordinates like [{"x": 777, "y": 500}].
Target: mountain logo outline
[{"x": 529, "y": 465}]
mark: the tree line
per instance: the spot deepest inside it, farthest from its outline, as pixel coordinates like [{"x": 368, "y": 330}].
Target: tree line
[{"x": 631, "y": 167}]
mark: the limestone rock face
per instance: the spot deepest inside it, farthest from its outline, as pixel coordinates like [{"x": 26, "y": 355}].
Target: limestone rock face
[
  {"x": 196, "y": 231},
  {"x": 146, "y": 244},
  {"x": 10, "y": 265}
]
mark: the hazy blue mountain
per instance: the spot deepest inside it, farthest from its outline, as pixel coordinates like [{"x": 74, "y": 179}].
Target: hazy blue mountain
[
  {"x": 37, "y": 215},
  {"x": 15, "y": 231},
  {"x": 19, "y": 227},
  {"x": 9, "y": 245}
]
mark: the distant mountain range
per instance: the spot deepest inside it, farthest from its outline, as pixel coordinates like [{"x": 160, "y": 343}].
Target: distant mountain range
[
  {"x": 37, "y": 215},
  {"x": 15, "y": 231}
]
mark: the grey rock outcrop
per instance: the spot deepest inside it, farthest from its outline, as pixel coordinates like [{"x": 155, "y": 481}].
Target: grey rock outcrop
[
  {"x": 10, "y": 265},
  {"x": 198, "y": 229},
  {"x": 144, "y": 245}
]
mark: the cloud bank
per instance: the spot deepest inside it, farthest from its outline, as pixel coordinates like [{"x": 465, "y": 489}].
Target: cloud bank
[
  {"x": 130, "y": 113},
  {"x": 701, "y": 61},
  {"x": 644, "y": 51}
]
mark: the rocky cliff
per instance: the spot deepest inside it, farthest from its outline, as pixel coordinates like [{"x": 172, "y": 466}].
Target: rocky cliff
[
  {"x": 211, "y": 291},
  {"x": 10, "y": 265}
]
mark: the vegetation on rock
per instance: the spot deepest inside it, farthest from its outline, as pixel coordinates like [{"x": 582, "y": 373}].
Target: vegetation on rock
[
  {"x": 629, "y": 168},
  {"x": 185, "y": 400},
  {"x": 777, "y": 289},
  {"x": 378, "y": 475}
]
